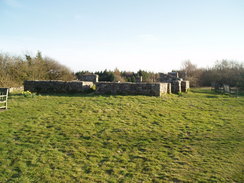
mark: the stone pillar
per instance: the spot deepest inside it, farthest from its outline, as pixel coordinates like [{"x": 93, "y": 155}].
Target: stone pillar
[
  {"x": 96, "y": 78},
  {"x": 185, "y": 85},
  {"x": 176, "y": 87},
  {"x": 226, "y": 88},
  {"x": 139, "y": 79},
  {"x": 169, "y": 88}
]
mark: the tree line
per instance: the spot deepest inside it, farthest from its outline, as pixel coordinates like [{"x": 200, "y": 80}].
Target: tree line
[
  {"x": 223, "y": 72},
  {"x": 15, "y": 69}
]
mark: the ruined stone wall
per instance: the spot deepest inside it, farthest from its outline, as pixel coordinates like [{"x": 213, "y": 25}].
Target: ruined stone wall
[
  {"x": 170, "y": 77},
  {"x": 169, "y": 88},
  {"x": 139, "y": 79},
  {"x": 176, "y": 86},
  {"x": 16, "y": 89},
  {"x": 57, "y": 86},
  {"x": 164, "y": 88},
  {"x": 151, "y": 89},
  {"x": 88, "y": 77},
  {"x": 185, "y": 85}
]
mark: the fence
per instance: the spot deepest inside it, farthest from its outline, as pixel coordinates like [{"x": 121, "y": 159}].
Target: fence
[
  {"x": 225, "y": 89},
  {"x": 3, "y": 98}
]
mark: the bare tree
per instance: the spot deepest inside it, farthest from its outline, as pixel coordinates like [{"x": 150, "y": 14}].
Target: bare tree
[{"x": 190, "y": 72}]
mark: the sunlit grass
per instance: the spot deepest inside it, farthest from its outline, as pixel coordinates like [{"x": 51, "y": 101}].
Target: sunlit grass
[{"x": 195, "y": 137}]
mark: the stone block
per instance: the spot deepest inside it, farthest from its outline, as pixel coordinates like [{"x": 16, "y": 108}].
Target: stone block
[{"x": 150, "y": 89}]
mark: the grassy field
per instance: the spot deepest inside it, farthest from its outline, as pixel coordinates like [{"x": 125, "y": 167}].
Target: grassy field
[{"x": 194, "y": 137}]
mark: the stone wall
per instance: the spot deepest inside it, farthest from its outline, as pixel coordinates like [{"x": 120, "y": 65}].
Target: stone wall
[
  {"x": 139, "y": 79},
  {"x": 169, "y": 88},
  {"x": 16, "y": 89},
  {"x": 170, "y": 77},
  {"x": 176, "y": 86},
  {"x": 174, "y": 74},
  {"x": 57, "y": 86},
  {"x": 88, "y": 77},
  {"x": 185, "y": 85},
  {"x": 151, "y": 89}
]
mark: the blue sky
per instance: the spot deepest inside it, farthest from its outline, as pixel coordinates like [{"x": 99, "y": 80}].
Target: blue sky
[{"x": 153, "y": 35}]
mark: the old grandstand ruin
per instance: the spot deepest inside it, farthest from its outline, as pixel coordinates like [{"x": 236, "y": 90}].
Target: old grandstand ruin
[{"x": 168, "y": 83}]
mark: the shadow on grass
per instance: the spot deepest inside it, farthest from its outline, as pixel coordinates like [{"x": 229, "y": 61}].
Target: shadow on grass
[
  {"x": 213, "y": 94},
  {"x": 87, "y": 95},
  {"x": 203, "y": 90},
  {"x": 2, "y": 110},
  {"x": 62, "y": 94}
]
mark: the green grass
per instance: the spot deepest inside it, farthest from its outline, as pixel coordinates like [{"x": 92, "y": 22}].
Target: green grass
[{"x": 194, "y": 137}]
